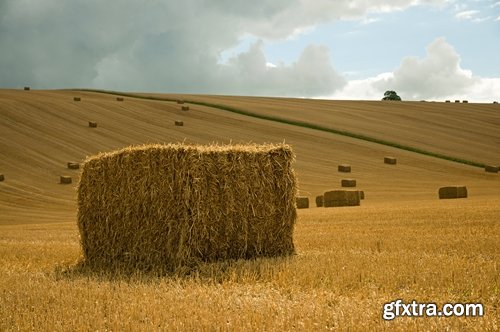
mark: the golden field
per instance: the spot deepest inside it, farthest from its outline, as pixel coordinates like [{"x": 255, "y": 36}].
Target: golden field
[{"x": 401, "y": 243}]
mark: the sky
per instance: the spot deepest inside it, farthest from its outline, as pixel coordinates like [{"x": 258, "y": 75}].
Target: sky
[{"x": 334, "y": 49}]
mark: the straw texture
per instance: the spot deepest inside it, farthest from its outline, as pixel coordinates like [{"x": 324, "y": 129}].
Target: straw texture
[
  {"x": 167, "y": 206},
  {"x": 336, "y": 198}
]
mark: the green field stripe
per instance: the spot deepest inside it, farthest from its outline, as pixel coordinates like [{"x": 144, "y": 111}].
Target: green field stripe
[{"x": 302, "y": 124}]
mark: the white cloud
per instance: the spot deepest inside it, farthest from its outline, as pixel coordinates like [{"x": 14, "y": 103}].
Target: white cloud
[
  {"x": 438, "y": 76},
  {"x": 467, "y": 15}
]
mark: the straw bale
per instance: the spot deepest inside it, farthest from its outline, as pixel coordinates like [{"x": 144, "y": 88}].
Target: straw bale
[
  {"x": 2, "y": 177},
  {"x": 180, "y": 101},
  {"x": 302, "y": 202},
  {"x": 465, "y": 101},
  {"x": 65, "y": 179},
  {"x": 119, "y": 99},
  {"x": 446, "y": 101},
  {"x": 344, "y": 168},
  {"x": 72, "y": 165},
  {"x": 319, "y": 200},
  {"x": 77, "y": 99},
  {"x": 390, "y": 160},
  {"x": 185, "y": 108},
  {"x": 337, "y": 198},
  {"x": 491, "y": 169},
  {"x": 92, "y": 124},
  {"x": 167, "y": 206},
  {"x": 457, "y": 101},
  {"x": 495, "y": 102},
  {"x": 179, "y": 123},
  {"x": 361, "y": 194},
  {"x": 452, "y": 192},
  {"x": 348, "y": 183},
  {"x": 26, "y": 88}
]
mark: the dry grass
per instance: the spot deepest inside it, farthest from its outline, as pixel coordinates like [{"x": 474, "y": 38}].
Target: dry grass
[
  {"x": 349, "y": 262},
  {"x": 172, "y": 206}
]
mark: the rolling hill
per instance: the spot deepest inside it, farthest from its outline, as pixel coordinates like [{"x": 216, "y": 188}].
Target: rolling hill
[{"x": 43, "y": 130}]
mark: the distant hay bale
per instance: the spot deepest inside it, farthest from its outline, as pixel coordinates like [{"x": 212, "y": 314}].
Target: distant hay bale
[
  {"x": 465, "y": 101},
  {"x": 302, "y": 202},
  {"x": 319, "y": 200},
  {"x": 180, "y": 101},
  {"x": 92, "y": 124},
  {"x": 77, "y": 99},
  {"x": 336, "y": 198},
  {"x": 348, "y": 183},
  {"x": 457, "y": 101},
  {"x": 167, "y": 206},
  {"x": 185, "y": 108},
  {"x": 119, "y": 99},
  {"x": 64, "y": 179},
  {"x": 344, "y": 168},
  {"x": 491, "y": 169},
  {"x": 361, "y": 194},
  {"x": 495, "y": 102},
  {"x": 2, "y": 177},
  {"x": 72, "y": 165},
  {"x": 390, "y": 160},
  {"x": 452, "y": 192},
  {"x": 26, "y": 88},
  {"x": 447, "y": 101},
  {"x": 179, "y": 123}
]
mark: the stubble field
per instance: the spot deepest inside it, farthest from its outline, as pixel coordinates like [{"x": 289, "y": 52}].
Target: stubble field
[{"x": 401, "y": 243}]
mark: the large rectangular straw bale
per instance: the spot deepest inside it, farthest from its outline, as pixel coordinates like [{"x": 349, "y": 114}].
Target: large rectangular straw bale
[
  {"x": 165, "y": 206},
  {"x": 64, "y": 179},
  {"x": 2, "y": 177},
  {"x": 77, "y": 99},
  {"x": 452, "y": 192},
  {"x": 348, "y": 183},
  {"x": 179, "y": 123},
  {"x": 361, "y": 194},
  {"x": 390, "y": 160},
  {"x": 336, "y": 198},
  {"x": 92, "y": 124},
  {"x": 119, "y": 99},
  {"x": 319, "y": 200},
  {"x": 185, "y": 108},
  {"x": 27, "y": 88},
  {"x": 344, "y": 168},
  {"x": 491, "y": 169},
  {"x": 302, "y": 202},
  {"x": 73, "y": 165}
]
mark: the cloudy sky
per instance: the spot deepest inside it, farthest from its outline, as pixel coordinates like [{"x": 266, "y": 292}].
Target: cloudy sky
[{"x": 423, "y": 49}]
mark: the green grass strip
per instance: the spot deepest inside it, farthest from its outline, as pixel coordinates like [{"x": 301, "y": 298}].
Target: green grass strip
[{"x": 301, "y": 124}]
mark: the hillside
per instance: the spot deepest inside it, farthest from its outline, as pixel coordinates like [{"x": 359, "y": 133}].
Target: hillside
[{"x": 43, "y": 130}]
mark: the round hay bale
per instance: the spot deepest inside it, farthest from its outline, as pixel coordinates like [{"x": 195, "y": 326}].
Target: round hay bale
[
  {"x": 361, "y": 194},
  {"x": 452, "y": 192},
  {"x": 302, "y": 202},
  {"x": 185, "y": 108},
  {"x": 92, "y": 124},
  {"x": 348, "y": 183},
  {"x": 119, "y": 98},
  {"x": 2, "y": 177},
  {"x": 72, "y": 165},
  {"x": 319, "y": 200},
  {"x": 26, "y": 88},
  {"x": 491, "y": 169},
  {"x": 336, "y": 198},
  {"x": 390, "y": 160},
  {"x": 344, "y": 168},
  {"x": 180, "y": 101},
  {"x": 179, "y": 123},
  {"x": 77, "y": 99},
  {"x": 65, "y": 179}
]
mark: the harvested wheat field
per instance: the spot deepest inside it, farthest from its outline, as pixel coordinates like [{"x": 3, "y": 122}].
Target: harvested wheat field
[{"x": 402, "y": 242}]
